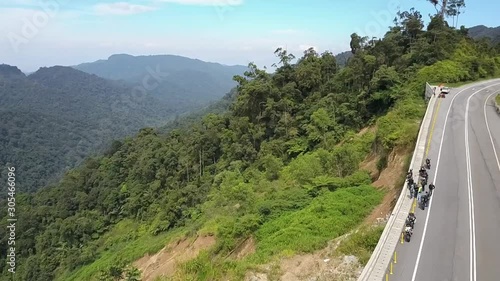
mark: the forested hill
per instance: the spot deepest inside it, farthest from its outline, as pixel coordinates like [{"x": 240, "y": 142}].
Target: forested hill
[
  {"x": 280, "y": 167},
  {"x": 343, "y": 57},
  {"x": 55, "y": 117},
  {"x": 188, "y": 82},
  {"x": 8, "y": 71},
  {"x": 481, "y": 31}
]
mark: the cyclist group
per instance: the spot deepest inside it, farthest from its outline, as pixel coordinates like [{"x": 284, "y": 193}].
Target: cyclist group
[{"x": 418, "y": 190}]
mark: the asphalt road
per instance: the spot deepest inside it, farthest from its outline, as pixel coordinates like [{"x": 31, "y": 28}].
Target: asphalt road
[{"x": 458, "y": 236}]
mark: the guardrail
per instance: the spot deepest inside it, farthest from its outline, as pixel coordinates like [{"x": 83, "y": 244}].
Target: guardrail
[
  {"x": 382, "y": 258},
  {"x": 429, "y": 91}
]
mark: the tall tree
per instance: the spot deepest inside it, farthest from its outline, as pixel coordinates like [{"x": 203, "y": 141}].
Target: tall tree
[
  {"x": 357, "y": 42},
  {"x": 440, "y": 7},
  {"x": 448, "y": 8},
  {"x": 411, "y": 23},
  {"x": 455, "y": 9}
]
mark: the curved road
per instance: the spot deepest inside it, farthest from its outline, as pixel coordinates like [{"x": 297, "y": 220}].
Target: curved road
[{"x": 458, "y": 236}]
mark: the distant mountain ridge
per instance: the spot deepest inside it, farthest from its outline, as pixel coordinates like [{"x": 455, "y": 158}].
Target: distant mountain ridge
[
  {"x": 481, "y": 31},
  {"x": 57, "y": 116},
  {"x": 343, "y": 57},
  {"x": 8, "y": 71},
  {"x": 190, "y": 82}
]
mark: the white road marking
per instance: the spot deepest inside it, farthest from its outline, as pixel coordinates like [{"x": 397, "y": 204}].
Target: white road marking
[
  {"x": 435, "y": 180},
  {"x": 469, "y": 181},
  {"x": 472, "y": 224},
  {"x": 489, "y": 131}
]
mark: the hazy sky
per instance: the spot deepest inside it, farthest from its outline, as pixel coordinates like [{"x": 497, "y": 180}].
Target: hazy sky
[{"x": 68, "y": 32}]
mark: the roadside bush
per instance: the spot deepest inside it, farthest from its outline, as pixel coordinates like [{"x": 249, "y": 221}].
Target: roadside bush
[{"x": 361, "y": 243}]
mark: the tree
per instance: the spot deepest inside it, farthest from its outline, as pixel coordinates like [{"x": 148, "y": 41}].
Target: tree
[
  {"x": 284, "y": 56},
  {"x": 440, "y": 7},
  {"x": 411, "y": 22},
  {"x": 319, "y": 126},
  {"x": 308, "y": 72},
  {"x": 448, "y": 8},
  {"x": 454, "y": 10},
  {"x": 357, "y": 43},
  {"x": 328, "y": 66}
]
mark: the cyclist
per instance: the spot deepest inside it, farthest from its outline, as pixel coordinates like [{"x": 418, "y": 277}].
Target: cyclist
[{"x": 431, "y": 188}]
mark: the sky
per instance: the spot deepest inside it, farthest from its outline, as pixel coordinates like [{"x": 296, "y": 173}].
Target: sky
[{"x": 37, "y": 33}]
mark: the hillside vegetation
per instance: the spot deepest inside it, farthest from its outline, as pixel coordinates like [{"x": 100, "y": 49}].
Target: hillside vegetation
[
  {"x": 342, "y": 58},
  {"x": 281, "y": 166},
  {"x": 57, "y": 116},
  {"x": 481, "y": 31}
]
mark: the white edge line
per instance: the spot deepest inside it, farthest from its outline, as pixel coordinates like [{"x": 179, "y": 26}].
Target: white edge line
[
  {"x": 469, "y": 190},
  {"x": 489, "y": 131},
  {"x": 435, "y": 177}
]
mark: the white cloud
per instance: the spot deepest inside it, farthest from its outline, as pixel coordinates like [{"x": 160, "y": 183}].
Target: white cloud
[
  {"x": 205, "y": 2},
  {"x": 121, "y": 8}
]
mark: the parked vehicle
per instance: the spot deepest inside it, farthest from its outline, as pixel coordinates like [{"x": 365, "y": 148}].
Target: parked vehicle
[{"x": 445, "y": 90}]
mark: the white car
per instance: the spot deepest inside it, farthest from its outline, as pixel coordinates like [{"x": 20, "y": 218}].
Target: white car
[{"x": 445, "y": 90}]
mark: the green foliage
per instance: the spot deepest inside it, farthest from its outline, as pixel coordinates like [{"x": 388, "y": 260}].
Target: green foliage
[
  {"x": 497, "y": 100},
  {"x": 446, "y": 71},
  {"x": 65, "y": 116},
  {"x": 202, "y": 268},
  {"x": 125, "y": 243},
  {"x": 119, "y": 272},
  {"x": 361, "y": 243},
  {"x": 328, "y": 216},
  {"x": 400, "y": 126}
]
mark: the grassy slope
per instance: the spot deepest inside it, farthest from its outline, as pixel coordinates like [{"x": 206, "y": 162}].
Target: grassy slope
[
  {"x": 127, "y": 242},
  {"x": 327, "y": 217}
]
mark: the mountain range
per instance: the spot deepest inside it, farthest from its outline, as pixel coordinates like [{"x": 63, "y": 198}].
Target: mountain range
[
  {"x": 55, "y": 117},
  {"x": 189, "y": 82},
  {"x": 481, "y": 31}
]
